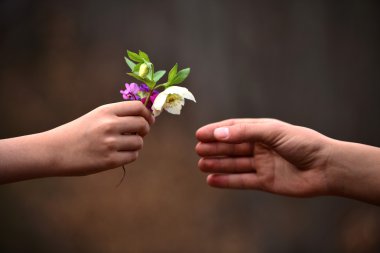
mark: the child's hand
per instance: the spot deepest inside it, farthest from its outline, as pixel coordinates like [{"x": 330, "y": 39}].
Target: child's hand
[{"x": 105, "y": 138}]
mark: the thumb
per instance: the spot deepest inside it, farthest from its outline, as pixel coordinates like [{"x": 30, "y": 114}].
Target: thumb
[{"x": 267, "y": 133}]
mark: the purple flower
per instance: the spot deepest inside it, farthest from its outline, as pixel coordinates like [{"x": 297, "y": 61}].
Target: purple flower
[
  {"x": 152, "y": 98},
  {"x": 144, "y": 88},
  {"x": 130, "y": 92}
]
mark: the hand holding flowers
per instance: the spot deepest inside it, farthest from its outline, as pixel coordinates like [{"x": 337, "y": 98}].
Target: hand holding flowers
[{"x": 171, "y": 99}]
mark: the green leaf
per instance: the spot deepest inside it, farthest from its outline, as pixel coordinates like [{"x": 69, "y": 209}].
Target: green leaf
[
  {"x": 172, "y": 73},
  {"x": 144, "y": 55},
  {"x": 150, "y": 84},
  {"x": 158, "y": 75},
  {"x": 163, "y": 85},
  {"x": 180, "y": 76},
  {"x": 136, "y": 68},
  {"x": 130, "y": 63},
  {"x": 134, "y": 57},
  {"x": 144, "y": 80},
  {"x": 136, "y": 76}
]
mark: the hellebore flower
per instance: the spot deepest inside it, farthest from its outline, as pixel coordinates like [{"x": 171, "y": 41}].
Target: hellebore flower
[
  {"x": 130, "y": 92},
  {"x": 171, "y": 99}
]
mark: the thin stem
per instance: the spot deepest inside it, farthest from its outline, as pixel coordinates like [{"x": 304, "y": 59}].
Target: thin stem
[
  {"x": 160, "y": 85},
  {"x": 148, "y": 97},
  {"x": 122, "y": 178}
]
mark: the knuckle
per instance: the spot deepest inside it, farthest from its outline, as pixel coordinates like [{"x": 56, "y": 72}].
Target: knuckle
[
  {"x": 228, "y": 122},
  {"x": 242, "y": 129},
  {"x": 277, "y": 129},
  {"x": 207, "y": 164},
  {"x": 104, "y": 108},
  {"x": 110, "y": 143},
  {"x": 110, "y": 161},
  {"x": 235, "y": 166},
  {"x": 276, "y": 124},
  {"x": 234, "y": 149},
  {"x": 108, "y": 125},
  {"x": 217, "y": 149}
]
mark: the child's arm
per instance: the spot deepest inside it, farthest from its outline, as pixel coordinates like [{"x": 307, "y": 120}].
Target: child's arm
[{"x": 105, "y": 138}]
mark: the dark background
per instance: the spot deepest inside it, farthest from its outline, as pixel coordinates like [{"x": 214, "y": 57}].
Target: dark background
[{"x": 312, "y": 63}]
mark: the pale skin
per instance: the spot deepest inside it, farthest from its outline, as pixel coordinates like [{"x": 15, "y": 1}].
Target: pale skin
[
  {"x": 277, "y": 157},
  {"x": 107, "y": 137}
]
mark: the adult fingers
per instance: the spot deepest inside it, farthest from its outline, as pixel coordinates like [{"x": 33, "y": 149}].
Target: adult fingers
[
  {"x": 227, "y": 165},
  {"x": 224, "y": 149},
  {"x": 268, "y": 133},
  {"x": 206, "y": 133},
  {"x": 234, "y": 181}
]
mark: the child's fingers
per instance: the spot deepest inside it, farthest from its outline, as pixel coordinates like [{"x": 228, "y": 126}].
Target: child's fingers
[
  {"x": 130, "y": 143},
  {"x": 132, "y": 125},
  {"x": 125, "y": 157},
  {"x": 132, "y": 108}
]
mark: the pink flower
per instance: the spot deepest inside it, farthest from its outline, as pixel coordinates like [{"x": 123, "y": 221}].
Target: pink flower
[
  {"x": 130, "y": 92},
  {"x": 151, "y": 99}
]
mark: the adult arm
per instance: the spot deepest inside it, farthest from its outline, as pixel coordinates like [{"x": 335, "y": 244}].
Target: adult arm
[{"x": 274, "y": 156}]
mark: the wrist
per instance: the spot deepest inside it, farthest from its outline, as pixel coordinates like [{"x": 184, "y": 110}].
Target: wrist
[
  {"x": 354, "y": 171},
  {"x": 53, "y": 150},
  {"x": 337, "y": 173},
  {"x": 42, "y": 155}
]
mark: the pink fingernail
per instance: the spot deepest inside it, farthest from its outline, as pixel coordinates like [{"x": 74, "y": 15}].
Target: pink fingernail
[{"x": 221, "y": 133}]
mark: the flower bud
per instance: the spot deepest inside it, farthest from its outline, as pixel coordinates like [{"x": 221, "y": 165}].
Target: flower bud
[{"x": 144, "y": 70}]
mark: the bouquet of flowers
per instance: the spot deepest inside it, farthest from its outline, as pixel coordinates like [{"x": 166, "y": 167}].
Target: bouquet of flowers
[{"x": 156, "y": 97}]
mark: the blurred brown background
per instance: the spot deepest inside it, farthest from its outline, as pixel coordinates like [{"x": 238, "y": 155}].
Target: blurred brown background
[{"x": 312, "y": 63}]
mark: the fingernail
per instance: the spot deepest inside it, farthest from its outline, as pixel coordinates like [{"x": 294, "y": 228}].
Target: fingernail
[{"x": 221, "y": 133}]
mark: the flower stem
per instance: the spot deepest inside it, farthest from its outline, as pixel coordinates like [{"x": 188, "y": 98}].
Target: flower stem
[{"x": 148, "y": 97}]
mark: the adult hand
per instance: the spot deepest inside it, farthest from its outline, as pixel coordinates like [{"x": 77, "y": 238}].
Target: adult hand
[{"x": 265, "y": 154}]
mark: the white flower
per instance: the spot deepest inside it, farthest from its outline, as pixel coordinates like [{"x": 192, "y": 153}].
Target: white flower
[{"x": 172, "y": 99}]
